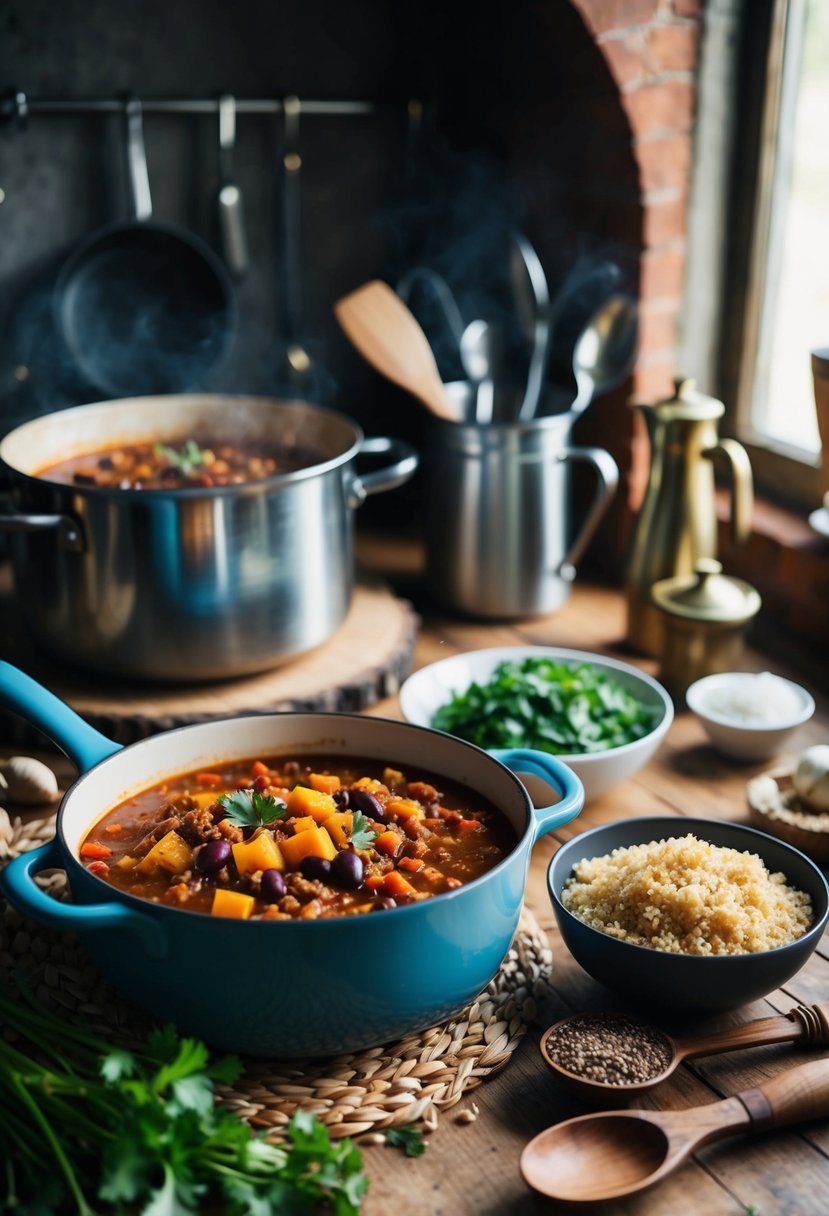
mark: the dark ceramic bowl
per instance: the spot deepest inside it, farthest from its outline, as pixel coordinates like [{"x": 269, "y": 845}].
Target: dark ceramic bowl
[{"x": 686, "y": 983}]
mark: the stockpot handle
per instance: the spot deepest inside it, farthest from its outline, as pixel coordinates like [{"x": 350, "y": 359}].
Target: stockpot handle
[
  {"x": 84, "y": 745},
  {"x": 607, "y": 472},
  {"x": 17, "y": 881},
  {"x": 396, "y": 474},
  {"x": 70, "y": 533},
  {"x": 539, "y": 764}
]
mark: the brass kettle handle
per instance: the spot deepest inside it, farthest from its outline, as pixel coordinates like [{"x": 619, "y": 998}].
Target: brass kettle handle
[{"x": 742, "y": 486}]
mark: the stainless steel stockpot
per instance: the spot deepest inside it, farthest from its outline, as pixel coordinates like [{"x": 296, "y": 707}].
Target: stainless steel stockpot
[{"x": 195, "y": 584}]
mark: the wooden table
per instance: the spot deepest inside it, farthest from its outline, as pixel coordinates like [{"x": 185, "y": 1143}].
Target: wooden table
[{"x": 472, "y": 1167}]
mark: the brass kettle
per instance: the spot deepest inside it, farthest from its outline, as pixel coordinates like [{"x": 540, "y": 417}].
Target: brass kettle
[{"x": 677, "y": 523}]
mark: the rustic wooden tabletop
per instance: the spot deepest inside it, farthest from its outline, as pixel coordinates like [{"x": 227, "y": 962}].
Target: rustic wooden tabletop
[{"x": 473, "y": 1166}]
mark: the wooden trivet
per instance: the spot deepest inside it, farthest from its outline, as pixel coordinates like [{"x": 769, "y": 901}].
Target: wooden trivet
[
  {"x": 366, "y": 659},
  {"x": 361, "y": 1094}
]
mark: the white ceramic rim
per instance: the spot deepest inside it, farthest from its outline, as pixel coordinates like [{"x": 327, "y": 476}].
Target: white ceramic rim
[
  {"x": 500, "y": 653},
  {"x": 695, "y": 700}
]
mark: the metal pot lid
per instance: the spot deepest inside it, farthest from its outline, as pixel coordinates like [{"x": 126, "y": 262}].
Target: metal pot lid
[{"x": 707, "y": 595}]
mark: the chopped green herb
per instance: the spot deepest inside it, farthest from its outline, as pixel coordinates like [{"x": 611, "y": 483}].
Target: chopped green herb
[
  {"x": 188, "y": 458},
  {"x": 361, "y": 834},
  {"x": 561, "y": 708},
  {"x": 409, "y": 1138},
  {"x": 250, "y": 809},
  {"x": 87, "y": 1124}
]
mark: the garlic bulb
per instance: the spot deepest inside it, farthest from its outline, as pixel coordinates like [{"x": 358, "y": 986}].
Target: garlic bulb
[
  {"x": 811, "y": 777},
  {"x": 27, "y": 781}
]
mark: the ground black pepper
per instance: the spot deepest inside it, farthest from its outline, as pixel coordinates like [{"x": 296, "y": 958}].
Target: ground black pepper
[{"x": 612, "y": 1049}]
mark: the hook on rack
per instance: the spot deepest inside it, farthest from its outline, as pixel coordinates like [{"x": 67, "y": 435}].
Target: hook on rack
[{"x": 14, "y": 107}]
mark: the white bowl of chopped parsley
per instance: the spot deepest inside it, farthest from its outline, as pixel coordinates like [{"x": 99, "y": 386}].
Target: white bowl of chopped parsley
[{"x": 601, "y": 717}]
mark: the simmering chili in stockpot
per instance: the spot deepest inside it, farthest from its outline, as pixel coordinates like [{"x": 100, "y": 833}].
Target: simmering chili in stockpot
[
  {"x": 297, "y": 839},
  {"x": 161, "y": 466}
]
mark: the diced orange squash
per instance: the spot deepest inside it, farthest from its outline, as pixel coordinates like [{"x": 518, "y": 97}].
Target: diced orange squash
[
  {"x": 171, "y": 853},
  {"x": 338, "y": 828},
  {"x": 304, "y": 823},
  {"x": 314, "y": 843},
  {"x": 392, "y": 777},
  {"x": 373, "y": 786},
  {"x": 260, "y": 853},
  {"x": 126, "y": 862},
  {"x": 405, "y": 808},
  {"x": 324, "y": 783},
  {"x": 232, "y": 903},
  {"x": 305, "y": 801},
  {"x": 396, "y": 885},
  {"x": 203, "y": 797},
  {"x": 388, "y": 843}
]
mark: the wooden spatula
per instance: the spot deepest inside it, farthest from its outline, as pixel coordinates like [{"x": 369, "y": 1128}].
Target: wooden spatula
[{"x": 389, "y": 337}]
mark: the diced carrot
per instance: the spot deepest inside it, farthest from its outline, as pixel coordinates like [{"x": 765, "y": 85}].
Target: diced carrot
[
  {"x": 411, "y": 864},
  {"x": 92, "y": 849},
  {"x": 470, "y": 825},
  {"x": 114, "y": 829},
  {"x": 374, "y": 882},
  {"x": 395, "y": 884},
  {"x": 259, "y": 769},
  {"x": 208, "y": 779},
  {"x": 388, "y": 843},
  {"x": 232, "y": 903},
  {"x": 325, "y": 783}
]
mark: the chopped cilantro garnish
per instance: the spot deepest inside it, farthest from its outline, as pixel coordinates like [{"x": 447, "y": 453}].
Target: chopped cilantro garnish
[
  {"x": 250, "y": 809},
  {"x": 361, "y": 834},
  {"x": 189, "y": 457}
]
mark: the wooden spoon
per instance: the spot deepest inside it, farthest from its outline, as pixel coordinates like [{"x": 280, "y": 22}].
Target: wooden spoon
[
  {"x": 613, "y": 1154},
  {"x": 389, "y": 336},
  {"x": 805, "y": 1024}
]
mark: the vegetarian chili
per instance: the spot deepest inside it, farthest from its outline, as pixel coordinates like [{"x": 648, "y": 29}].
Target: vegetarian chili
[
  {"x": 161, "y": 466},
  {"x": 290, "y": 839}
]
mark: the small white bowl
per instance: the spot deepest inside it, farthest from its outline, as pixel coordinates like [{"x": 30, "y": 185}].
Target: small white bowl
[
  {"x": 424, "y": 692},
  {"x": 741, "y": 734}
]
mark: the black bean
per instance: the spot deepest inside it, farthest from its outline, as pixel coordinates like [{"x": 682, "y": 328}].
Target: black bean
[
  {"x": 347, "y": 870},
  {"x": 273, "y": 886},
  {"x": 212, "y": 856},
  {"x": 315, "y": 867},
  {"x": 367, "y": 804},
  {"x": 341, "y": 798}
]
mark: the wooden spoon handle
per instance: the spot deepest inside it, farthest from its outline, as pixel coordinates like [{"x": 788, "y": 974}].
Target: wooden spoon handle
[
  {"x": 807, "y": 1023},
  {"x": 797, "y": 1094}
]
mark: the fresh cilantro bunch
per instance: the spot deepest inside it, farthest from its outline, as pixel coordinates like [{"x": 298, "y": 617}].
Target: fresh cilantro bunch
[
  {"x": 560, "y": 708},
  {"x": 88, "y": 1128},
  {"x": 249, "y": 809}
]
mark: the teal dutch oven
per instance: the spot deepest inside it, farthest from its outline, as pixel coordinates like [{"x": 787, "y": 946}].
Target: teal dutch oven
[{"x": 284, "y": 988}]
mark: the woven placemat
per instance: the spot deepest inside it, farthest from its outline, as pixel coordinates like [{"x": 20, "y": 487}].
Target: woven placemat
[{"x": 409, "y": 1082}]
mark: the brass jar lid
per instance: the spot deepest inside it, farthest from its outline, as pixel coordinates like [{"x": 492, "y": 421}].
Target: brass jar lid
[{"x": 707, "y": 595}]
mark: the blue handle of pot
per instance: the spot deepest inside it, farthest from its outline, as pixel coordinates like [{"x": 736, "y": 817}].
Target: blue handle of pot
[
  {"x": 17, "y": 881},
  {"x": 539, "y": 764},
  {"x": 84, "y": 745}
]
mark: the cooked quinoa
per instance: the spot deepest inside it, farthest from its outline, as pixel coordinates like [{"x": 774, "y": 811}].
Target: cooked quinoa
[{"x": 687, "y": 896}]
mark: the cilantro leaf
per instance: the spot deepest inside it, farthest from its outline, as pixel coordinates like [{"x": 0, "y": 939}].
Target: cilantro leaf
[
  {"x": 188, "y": 458},
  {"x": 249, "y": 809},
  {"x": 116, "y": 1064},
  {"x": 361, "y": 834},
  {"x": 409, "y": 1138}
]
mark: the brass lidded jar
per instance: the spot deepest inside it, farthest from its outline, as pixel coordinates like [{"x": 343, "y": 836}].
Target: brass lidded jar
[{"x": 705, "y": 615}]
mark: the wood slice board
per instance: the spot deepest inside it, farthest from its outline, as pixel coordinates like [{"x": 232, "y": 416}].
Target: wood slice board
[{"x": 365, "y": 660}]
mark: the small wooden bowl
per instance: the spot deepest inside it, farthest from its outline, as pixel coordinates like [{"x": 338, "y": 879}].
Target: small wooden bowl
[{"x": 805, "y": 829}]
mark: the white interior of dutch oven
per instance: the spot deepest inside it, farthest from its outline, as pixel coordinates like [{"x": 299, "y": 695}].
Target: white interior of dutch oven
[
  {"x": 418, "y": 752},
  {"x": 175, "y": 418}
]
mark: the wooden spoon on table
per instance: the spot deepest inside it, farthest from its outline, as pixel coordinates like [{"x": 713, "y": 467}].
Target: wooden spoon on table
[
  {"x": 388, "y": 335},
  {"x": 613, "y": 1154}
]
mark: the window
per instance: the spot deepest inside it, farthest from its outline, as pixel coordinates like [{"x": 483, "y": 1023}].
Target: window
[{"x": 761, "y": 189}]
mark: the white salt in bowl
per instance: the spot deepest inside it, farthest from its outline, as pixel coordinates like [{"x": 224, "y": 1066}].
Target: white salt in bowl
[{"x": 749, "y": 715}]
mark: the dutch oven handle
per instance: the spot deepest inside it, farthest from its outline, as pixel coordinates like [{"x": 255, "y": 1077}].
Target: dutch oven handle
[
  {"x": 84, "y": 745},
  {"x": 396, "y": 474},
  {"x": 522, "y": 760}
]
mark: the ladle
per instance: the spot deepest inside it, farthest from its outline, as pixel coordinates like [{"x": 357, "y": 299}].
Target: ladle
[
  {"x": 605, "y": 350},
  {"x": 389, "y": 336},
  {"x": 805, "y": 1024},
  {"x": 533, "y": 297},
  {"x": 476, "y": 348},
  {"x": 614, "y": 1154}
]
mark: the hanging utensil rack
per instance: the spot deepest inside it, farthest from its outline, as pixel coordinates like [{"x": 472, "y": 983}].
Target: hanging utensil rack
[{"x": 16, "y": 105}]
